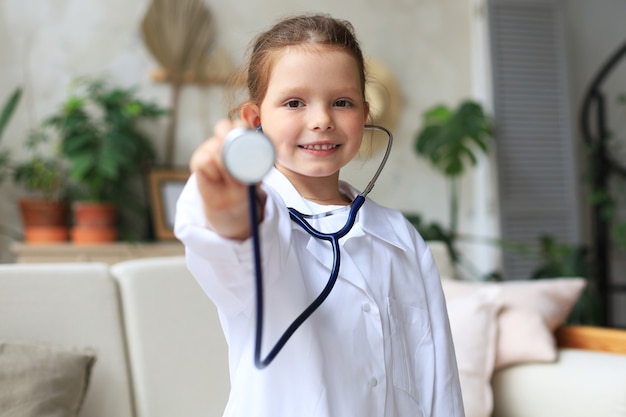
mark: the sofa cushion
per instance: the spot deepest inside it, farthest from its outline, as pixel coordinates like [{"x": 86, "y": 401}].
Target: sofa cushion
[
  {"x": 71, "y": 304},
  {"x": 177, "y": 349},
  {"x": 532, "y": 310},
  {"x": 39, "y": 380}
]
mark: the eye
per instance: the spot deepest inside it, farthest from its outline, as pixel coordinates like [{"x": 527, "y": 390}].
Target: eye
[
  {"x": 293, "y": 103},
  {"x": 342, "y": 103}
]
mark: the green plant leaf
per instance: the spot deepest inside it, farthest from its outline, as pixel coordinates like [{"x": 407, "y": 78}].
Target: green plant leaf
[
  {"x": 449, "y": 138},
  {"x": 5, "y": 160},
  {"x": 619, "y": 234},
  {"x": 100, "y": 137},
  {"x": 8, "y": 108},
  {"x": 82, "y": 166}
]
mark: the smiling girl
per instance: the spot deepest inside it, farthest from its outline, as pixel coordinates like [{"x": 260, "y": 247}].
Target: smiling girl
[{"x": 380, "y": 344}]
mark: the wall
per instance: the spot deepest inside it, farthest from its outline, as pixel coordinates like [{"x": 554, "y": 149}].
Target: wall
[{"x": 425, "y": 43}]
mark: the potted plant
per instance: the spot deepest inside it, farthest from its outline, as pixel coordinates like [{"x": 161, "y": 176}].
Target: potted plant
[
  {"x": 107, "y": 154},
  {"x": 452, "y": 139},
  {"x": 44, "y": 210}
]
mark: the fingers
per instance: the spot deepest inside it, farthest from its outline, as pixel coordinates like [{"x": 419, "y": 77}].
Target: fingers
[
  {"x": 207, "y": 159},
  {"x": 225, "y": 200},
  {"x": 224, "y": 126}
]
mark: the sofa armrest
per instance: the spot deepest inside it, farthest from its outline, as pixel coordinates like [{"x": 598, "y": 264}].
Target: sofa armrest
[
  {"x": 587, "y": 379},
  {"x": 581, "y": 383}
]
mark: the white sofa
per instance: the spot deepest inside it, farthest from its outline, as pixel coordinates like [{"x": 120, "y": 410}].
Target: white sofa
[{"x": 160, "y": 351}]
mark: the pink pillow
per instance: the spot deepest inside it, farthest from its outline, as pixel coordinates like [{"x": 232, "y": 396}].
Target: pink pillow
[
  {"x": 532, "y": 310},
  {"x": 474, "y": 329},
  {"x": 523, "y": 337}
]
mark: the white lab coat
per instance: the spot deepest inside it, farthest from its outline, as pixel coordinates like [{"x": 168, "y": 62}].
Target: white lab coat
[{"x": 379, "y": 346}]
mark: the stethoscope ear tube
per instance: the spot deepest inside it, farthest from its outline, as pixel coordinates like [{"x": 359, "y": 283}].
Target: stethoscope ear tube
[{"x": 370, "y": 185}]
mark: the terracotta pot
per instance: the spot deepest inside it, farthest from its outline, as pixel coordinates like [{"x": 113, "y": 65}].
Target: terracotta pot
[
  {"x": 94, "y": 215},
  {"x": 44, "y": 221},
  {"x": 94, "y": 223},
  {"x": 88, "y": 235},
  {"x": 45, "y": 234}
]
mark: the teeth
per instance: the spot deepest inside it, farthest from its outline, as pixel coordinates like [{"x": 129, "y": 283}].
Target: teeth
[{"x": 319, "y": 147}]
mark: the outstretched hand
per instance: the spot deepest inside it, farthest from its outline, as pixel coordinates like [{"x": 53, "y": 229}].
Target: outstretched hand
[{"x": 225, "y": 200}]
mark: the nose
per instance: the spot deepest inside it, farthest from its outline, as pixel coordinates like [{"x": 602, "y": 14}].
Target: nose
[{"x": 321, "y": 119}]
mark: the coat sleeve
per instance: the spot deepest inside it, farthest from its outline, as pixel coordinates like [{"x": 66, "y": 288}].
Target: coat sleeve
[
  {"x": 447, "y": 397},
  {"x": 223, "y": 267}
]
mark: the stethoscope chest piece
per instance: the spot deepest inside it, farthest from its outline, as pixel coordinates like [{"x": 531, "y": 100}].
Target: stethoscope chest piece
[{"x": 248, "y": 155}]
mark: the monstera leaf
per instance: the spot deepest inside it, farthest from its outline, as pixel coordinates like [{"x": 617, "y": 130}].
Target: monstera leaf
[{"x": 449, "y": 139}]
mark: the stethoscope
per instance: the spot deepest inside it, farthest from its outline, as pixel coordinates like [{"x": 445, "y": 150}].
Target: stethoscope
[{"x": 248, "y": 156}]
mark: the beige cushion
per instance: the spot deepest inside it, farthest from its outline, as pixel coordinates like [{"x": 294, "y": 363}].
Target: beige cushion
[
  {"x": 474, "y": 330},
  {"x": 177, "y": 348},
  {"x": 38, "y": 380},
  {"x": 531, "y": 311},
  {"x": 74, "y": 304}
]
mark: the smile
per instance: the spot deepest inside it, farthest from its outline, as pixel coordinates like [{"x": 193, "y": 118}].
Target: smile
[{"x": 323, "y": 147}]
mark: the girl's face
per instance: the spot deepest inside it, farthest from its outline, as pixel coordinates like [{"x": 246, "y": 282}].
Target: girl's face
[{"x": 314, "y": 112}]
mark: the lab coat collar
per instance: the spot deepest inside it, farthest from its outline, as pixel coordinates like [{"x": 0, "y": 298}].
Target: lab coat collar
[{"x": 373, "y": 219}]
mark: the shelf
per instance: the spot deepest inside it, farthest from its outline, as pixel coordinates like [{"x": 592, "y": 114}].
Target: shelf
[{"x": 108, "y": 253}]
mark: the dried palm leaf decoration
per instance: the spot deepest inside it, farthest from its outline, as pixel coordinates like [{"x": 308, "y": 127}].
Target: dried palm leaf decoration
[{"x": 179, "y": 34}]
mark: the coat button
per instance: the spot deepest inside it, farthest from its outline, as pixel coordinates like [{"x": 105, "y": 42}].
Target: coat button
[
  {"x": 373, "y": 382},
  {"x": 366, "y": 307}
]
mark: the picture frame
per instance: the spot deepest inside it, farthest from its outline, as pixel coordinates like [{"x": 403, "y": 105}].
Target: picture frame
[{"x": 165, "y": 188}]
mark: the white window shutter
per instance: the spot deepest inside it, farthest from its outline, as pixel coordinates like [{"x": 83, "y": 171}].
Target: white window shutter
[{"x": 538, "y": 183}]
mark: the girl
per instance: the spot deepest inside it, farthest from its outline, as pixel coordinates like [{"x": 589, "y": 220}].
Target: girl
[{"x": 380, "y": 344}]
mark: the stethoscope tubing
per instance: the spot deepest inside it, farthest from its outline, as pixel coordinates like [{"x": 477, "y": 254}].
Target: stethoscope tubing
[{"x": 333, "y": 238}]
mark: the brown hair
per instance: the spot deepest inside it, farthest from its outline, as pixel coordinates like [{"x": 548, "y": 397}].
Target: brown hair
[{"x": 303, "y": 30}]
